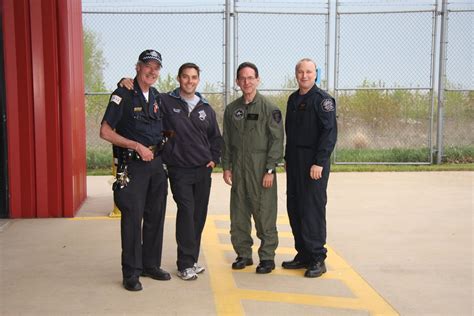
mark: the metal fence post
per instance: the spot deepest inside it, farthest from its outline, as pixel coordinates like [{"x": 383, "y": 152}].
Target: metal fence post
[
  {"x": 441, "y": 82},
  {"x": 227, "y": 54}
]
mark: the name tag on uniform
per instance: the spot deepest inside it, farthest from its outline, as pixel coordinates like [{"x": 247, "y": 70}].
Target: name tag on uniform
[
  {"x": 137, "y": 109},
  {"x": 252, "y": 117}
]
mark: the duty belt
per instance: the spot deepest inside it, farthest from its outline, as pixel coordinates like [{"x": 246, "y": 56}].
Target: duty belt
[
  {"x": 133, "y": 155},
  {"x": 125, "y": 156}
]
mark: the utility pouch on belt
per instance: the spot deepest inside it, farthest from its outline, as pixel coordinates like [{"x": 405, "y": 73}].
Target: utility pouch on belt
[{"x": 122, "y": 176}]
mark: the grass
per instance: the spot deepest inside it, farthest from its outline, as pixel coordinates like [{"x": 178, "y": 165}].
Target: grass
[
  {"x": 463, "y": 154},
  {"x": 350, "y": 168},
  {"x": 99, "y": 161},
  {"x": 401, "y": 168}
]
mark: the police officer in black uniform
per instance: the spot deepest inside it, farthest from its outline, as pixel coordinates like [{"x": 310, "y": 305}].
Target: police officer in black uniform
[
  {"x": 311, "y": 133},
  {"x": 132, "y": 123}
]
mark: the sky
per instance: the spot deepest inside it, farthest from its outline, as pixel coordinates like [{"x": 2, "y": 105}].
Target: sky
[{"x": 393, "y": 49}]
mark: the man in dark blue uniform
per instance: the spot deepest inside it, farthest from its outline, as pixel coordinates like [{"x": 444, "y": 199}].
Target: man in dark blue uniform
[
  {"x": 132, "y": 123},
  {"x": 311, "y": 132}
]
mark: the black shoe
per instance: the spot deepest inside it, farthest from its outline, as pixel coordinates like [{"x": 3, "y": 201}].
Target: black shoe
[
  {"x": 315, "y": 269},
  {"x": 265, "y": 266},
  {"x": 132, "y": 284},
  {"x": 157, "y": 274},
  {"x": 241, "y": 262},
  {"x": 294, "y": 264}
]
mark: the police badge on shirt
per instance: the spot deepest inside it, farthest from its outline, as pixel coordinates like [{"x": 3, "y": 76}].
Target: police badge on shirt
[{"x": 202, "y": 115}]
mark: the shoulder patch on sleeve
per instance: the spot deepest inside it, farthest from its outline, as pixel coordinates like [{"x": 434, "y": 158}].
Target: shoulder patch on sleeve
[
  {"x": 116, "y": 99},
  {"x": 327, "y": 105},
  {"x": 276, "y": 114}
]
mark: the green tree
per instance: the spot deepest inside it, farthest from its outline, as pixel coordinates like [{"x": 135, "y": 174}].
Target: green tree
[
  {"x": 94, "y": 63},
  {"x": 166, "y": 84}
]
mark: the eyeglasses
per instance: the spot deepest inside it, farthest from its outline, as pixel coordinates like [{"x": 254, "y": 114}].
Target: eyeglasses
[{"x": 243, "y": 79}]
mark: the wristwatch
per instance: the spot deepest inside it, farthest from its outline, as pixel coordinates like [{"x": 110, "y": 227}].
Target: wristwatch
[{"x": 270, "y": 171}]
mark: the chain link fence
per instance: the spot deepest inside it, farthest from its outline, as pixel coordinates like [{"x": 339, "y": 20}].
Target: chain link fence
[
  {"x": 384, "y": 90},
  {"x": 380, "y": 64},
  {"x": 459, "y": 92},
  {"x": 123, "y": 35},
  {"x": 268, "y": 37}
]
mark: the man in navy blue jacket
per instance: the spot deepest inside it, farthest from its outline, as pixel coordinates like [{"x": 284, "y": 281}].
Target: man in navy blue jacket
[{"x": 190, "y": 157}]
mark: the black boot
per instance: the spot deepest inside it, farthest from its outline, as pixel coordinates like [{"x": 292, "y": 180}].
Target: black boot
[
  {"x": 241, "y": 262},
  {"x": 265, "y": 266},
  {"x": 294, "y": 264},
  {"x": 132, "y": 284},
  {"x": 315, "y": 269}
]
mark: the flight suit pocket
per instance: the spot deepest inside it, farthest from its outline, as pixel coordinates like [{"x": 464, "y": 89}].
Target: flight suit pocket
[{"x": 256, "y": 136}]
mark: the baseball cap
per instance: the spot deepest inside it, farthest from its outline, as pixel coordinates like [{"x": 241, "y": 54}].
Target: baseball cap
[{"x": 150, "y": 54}]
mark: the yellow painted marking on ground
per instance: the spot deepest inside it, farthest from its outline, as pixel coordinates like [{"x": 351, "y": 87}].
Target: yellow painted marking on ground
[
  {"x": 226, "y": 296},
  {"x": 305, "y": 299},
  {"x": 229, "y": 297},
  {"x": 369, "y": 297}
]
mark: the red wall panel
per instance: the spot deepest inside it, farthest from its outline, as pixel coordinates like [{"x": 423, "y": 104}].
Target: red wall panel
[
  {"x": 72, "y": 99},
  {"x": 45, "y": 107},
  {"x": 19, "y": 108}
]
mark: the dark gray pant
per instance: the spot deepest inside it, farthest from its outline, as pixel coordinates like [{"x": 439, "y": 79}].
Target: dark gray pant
[
  {"x": 144, "y": 198},
  {"x": 191, "y": 188},
  {"x": 306, "y": 206}
]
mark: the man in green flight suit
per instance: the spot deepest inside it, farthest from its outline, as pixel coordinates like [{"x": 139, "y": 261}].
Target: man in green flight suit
[{"x": 253, "y": 145}]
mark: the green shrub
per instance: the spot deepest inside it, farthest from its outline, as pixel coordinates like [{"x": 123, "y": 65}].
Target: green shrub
[
  {"x": 464, "y": 154},
  {"x": 99, "y": 159}
]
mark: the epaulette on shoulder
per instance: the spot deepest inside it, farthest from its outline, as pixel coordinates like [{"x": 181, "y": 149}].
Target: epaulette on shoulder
[
  {"x": 323, "y": 93},
  {"x": 121, "y": 91}
]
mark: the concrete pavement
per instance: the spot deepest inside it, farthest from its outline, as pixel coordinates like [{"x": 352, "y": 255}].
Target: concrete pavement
[{"x": 399, "y": 243}]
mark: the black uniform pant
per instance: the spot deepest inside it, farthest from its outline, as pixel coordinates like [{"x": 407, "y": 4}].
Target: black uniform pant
[
  {"x": 191, "y": 188},
  {"x": 144, "y": 198},
  {"x": 306, "y": 206}
]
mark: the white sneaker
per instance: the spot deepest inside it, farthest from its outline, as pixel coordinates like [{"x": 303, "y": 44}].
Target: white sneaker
[
  {"x": 198, "y": 269},
  {"x": 187, "y": 274}
]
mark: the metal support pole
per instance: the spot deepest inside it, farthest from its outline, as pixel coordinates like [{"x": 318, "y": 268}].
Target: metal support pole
[
  {"x": 227, "y": 54},
  {"x": 337, "y": 38},
  {"x": 336, "y": 62},
  {"x": 328, "y": 34},
  {"x": 235, "y": 45},
  {"x": 441, "y": 81},
  {"x": 434, "y": 36}
]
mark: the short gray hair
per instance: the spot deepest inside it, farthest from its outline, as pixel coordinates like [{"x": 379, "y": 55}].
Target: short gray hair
[{"x": 303, "y": 60}]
